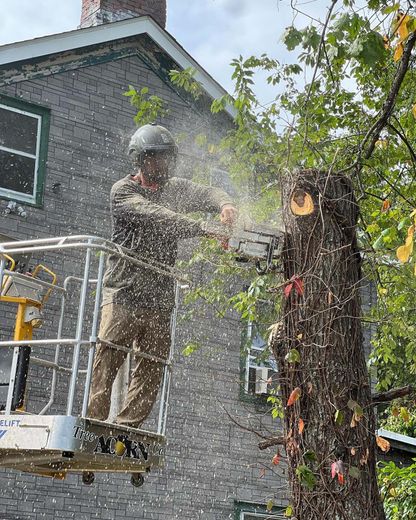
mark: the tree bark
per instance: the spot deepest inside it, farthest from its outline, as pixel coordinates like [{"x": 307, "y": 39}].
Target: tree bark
[{"x": 332, "y": 462}]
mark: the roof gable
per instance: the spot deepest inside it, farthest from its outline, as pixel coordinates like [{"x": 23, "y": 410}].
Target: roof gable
[{"x": 39, "y": 48}]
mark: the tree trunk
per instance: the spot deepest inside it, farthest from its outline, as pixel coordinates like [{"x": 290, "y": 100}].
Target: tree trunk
[{"x": 320, "y": 355}]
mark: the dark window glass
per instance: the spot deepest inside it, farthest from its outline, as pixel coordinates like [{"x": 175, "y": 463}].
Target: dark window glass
[
  {"x": 17, "y": 173},
  {"x": 18, "y": 131}
]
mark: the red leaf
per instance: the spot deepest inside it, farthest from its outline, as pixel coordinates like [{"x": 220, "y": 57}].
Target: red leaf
[
  {"x": 294, "y": 396},
  {"x": 301, "y": 425},
  {"x": 288, "y": 289},
  {"x": 276, "y": 459},
  {"x": 298, "y": 283},
  {"x": 337, "y": 468}
]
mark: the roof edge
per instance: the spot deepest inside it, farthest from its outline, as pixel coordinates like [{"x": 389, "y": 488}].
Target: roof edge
[{"x": 78, "y": 38}]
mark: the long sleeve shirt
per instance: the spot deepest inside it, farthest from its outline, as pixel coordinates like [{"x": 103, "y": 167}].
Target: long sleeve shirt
[{"x": 150, "y": 225}]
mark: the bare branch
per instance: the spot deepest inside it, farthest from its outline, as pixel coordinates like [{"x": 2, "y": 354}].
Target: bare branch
[
  {"x": 272, "y": 441},
  {"x": 246, "y": 428},
  {"x": 385, "y": 397}
]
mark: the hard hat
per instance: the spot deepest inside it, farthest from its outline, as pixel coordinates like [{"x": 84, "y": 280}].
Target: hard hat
[{"x": 152, "y": 139}]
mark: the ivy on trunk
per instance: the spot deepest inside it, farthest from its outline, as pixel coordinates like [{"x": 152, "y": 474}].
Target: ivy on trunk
[{"x": 329, "y": 421}]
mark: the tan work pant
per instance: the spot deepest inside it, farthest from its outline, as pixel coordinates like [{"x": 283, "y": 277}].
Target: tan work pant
[{"x": 143, "y": 330}]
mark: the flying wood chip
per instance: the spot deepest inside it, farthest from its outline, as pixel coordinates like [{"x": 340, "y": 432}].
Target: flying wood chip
[{"x": 301, "y": 203}]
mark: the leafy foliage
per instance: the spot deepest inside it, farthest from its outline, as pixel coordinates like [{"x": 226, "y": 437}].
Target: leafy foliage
[
  {"x": 400, "y": 420},
  {"x": 398, "y": 490},
  {"x": 149, "y": 107}
]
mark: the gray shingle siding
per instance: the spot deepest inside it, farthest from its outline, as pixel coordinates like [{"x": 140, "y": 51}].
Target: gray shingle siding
[{"x": 210, "y": 461}]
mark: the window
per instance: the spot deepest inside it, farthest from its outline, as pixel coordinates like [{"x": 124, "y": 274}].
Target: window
[
  {"x": 257, "y": 516},
  {"x": 258, "y": 366},
  {"x": 250, "y": 511},
  {"x": 24, "y": 130}
]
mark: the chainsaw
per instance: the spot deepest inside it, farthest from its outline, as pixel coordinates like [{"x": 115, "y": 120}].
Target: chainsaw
[{"x": 260, "y": 244}]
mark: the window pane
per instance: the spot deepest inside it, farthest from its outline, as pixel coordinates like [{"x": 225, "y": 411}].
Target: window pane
[
  {"x": 248, "y": 516},
  {"x": 18, "y": 131},
  {"x": 16, "y": 172}
]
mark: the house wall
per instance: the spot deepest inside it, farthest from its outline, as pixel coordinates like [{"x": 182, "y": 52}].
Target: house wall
[{"x": 210, "y": 461}]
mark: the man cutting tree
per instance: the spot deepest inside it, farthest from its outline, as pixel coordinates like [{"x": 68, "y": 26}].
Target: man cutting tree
[{"x": 148, "y": 210}]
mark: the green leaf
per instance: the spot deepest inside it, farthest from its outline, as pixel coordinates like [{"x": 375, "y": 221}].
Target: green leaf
[
  {"x": 404, "y": 223},
  {"x": 358, "y": 411},
  {"x": 352, "y": 404},
  {"x": 293, "y": 356},
  {"x": 310, "y": 456},
  {"x": 368, "y": 49},
  {"x": 379, "y": 243},
  {"x": 269, "y": 505},
  {"x": 354, "y": 472},
  {"x": 288, "y": 512},
  {"x": 391, "y": 9},
  {"x": 306, "y": 476},
  {"x": 190, "y": 348},
  {"x": 339, "y": 418},
  {"x": 292, "y": 38}
]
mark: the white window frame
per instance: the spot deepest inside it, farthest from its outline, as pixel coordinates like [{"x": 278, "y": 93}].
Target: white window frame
[
  {"x": 261, "y": 370},
  {"x": 264, "y": 516},
  {"x": 11, "y": 194}
]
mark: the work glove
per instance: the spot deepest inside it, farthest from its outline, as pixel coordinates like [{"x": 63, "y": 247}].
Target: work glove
[{"x": 228, "y": 215}]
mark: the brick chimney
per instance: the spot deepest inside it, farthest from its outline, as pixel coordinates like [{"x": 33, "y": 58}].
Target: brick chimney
[{"x": 97, "y": 12}]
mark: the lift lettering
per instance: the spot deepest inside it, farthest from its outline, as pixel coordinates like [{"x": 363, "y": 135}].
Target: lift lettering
[
  {"x": 122, "y": 446},
  {"x": 9, "y": 422}
]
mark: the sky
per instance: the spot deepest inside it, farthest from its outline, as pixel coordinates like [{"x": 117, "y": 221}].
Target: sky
[{"x": 212, "y": 31}]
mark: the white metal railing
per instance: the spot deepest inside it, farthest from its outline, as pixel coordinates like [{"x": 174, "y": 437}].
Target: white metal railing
[{"x": 86, "y": 244}]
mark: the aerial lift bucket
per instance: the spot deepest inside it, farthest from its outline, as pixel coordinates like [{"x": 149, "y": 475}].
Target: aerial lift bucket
[{"x": 55, "y": 445}]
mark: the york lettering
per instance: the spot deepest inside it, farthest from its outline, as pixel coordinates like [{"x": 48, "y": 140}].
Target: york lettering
[
  {"x": 105, "y": 445},
  {"x": 134, "y": 449}
]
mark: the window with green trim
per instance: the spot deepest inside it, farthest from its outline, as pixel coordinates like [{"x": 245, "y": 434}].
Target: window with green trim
[
  {"x": 251, "y": 511},
  {"x": 259, "y": 367},
  {"x": 24, "y": 131}
]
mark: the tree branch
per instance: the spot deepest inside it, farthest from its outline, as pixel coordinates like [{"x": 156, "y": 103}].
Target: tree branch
[
  {"x": 272, "y": 441},
  {"x": 246, "y": 428},
  {"x": 388, "y": 105},
  {"x": 405, "y": 140},
  {"x": 385, "y": 397},
  {"x": 387, "y": 109}
]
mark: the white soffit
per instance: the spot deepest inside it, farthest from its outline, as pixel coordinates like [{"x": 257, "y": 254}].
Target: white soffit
[{"x": 66, "y": 41}]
